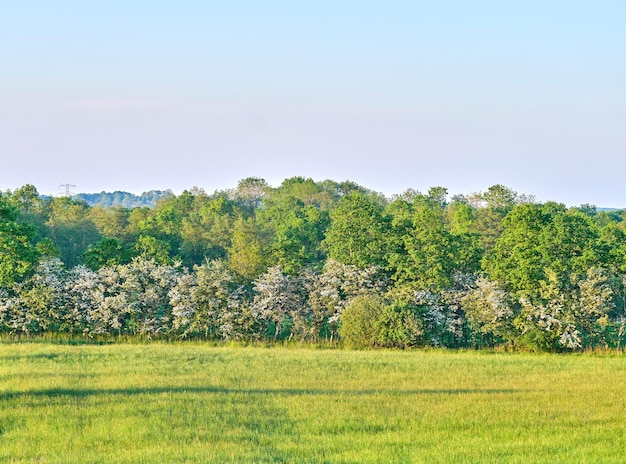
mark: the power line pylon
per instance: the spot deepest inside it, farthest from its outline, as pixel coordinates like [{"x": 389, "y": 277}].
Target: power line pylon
[{"x": 67, "y": 189}]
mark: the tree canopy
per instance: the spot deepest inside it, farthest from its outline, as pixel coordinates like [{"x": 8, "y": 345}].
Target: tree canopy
[{"x": 256, "y": 261}]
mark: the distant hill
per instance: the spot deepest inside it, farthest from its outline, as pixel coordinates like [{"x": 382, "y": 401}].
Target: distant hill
[{"x": 124, "y": 199}]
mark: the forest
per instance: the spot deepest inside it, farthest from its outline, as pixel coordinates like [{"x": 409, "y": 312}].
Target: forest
[{"x": 317, "y": 261}]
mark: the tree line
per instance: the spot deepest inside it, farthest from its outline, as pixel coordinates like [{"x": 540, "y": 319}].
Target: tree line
[{"x": 317, "y": 261}]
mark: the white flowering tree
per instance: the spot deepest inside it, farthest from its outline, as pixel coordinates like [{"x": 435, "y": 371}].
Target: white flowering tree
[
  {"x": 82, "y": 288},
  {"x": 322, "y": 300},
  {"x": 134, "y": 298},
  {"x": 202, "y": 302},
  {"x": 443, "y": 318},
  {"x": 111, "y": 315},
  {"x": 489, "y": 310},
  {"x": 7, "y": 307},
  {"x": 567, "y": 316},
  {"x": 279, "y": 299},
  {"x": 237, "y": 321},
  {"x": 183, "y": 305},
  {"x": 592, "y": 304},
  {"x": 442, "y": 311},
  {"x": 39, "y": 301},
  {"x": 339, "y": 284},
  {"x": 147, "y": 285}
]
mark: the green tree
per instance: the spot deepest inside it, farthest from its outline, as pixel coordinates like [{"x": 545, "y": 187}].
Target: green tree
[
  {"x": 538, "y": 239},
  {"x": 358, "y": 232},
  {"x": 297, "y": 230},
  {"x": 32, "y": 207},
  {"x": 493, "y": 206},
  {"x": 107, "y": 252},
  {"x": 18, "y": 256},
  {"x": 427, "y": 254},
  {"x": 570, "y": 244},
  {"x": 206, "y": 232},
  {"x": 71, "y": 229},
  {"x": 112, "y": 222},
  {"x": 249, "y": 194},
  {"x": 246, "y": 255},
  {"x": 150, "y": 248},
  {"x": 309, "y": 192},
  {"x": 516, "y": 260}
]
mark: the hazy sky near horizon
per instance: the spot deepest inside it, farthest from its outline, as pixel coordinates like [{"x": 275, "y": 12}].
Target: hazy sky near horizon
[{"x": 140, "y": 95}]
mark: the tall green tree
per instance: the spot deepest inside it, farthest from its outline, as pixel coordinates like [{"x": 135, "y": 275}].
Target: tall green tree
[
  {"x": 250, "y": 193},
  {"x": 246, "y": 255},
  {"x": 206, "y": 230},
  {"x": 516, "y": 260},
  {"x": 541, "y": 240},
  {"x": 493, "y": 206},
  {"x": 107, "y": 252},
  {"x": 358, "y": 232},
  {"x": 71, "y": 229},
  {"x": 427, "y": 253},
  {"x": 297, "y": 232},
  {"x": 150, "y": 248},
  {"x": 18, "y": 256}
]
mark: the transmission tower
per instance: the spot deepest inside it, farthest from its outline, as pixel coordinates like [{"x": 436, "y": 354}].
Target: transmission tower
[{"x": 67, "y": 189}]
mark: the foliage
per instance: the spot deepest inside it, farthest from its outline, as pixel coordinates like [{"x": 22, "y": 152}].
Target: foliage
[
  {"x": 489, "y": 310},
  {"x": 399, "y": 326},
  {"x": 257, "y": 262},
  {"x": 427, "y": 253},
  {"x": 107, "y": 252},
  {"x": 246, "y": 255},
  {"x": 148, "y": 248},
  {"x": 18, "y": 257},
  {"x": 360, "y": 321},
  {"x": 358, "y": 232},
  {"x": 280, "y": 298},
  {"x": 124, "y": 199}
]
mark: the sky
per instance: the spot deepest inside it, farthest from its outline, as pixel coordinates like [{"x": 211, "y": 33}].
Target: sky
[{"x": 142, "y": 95}]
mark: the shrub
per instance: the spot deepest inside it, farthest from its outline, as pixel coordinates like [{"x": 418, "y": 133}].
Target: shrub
[
  {"x": 399, "y": 326},
  {"x": 360, "y": 321}
]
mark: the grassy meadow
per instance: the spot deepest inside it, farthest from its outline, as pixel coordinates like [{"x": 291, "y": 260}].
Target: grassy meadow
[{"x": 160, "y": 402}]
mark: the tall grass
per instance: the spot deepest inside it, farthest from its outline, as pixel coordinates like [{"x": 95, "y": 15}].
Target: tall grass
[{"x": 160, "y": 402}]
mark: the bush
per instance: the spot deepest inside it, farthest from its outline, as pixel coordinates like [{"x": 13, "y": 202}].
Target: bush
[
  {"x": 360, "y": 321},
  {"x": 399, "y": 326}
]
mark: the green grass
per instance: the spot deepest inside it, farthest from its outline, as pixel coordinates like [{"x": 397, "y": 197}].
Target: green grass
[{"x": 162, "y": 402}]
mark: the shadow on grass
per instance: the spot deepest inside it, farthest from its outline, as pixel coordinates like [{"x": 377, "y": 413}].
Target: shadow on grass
[
  {"x": 29, "y": 357},
  {"x": 84, "y": 393}
]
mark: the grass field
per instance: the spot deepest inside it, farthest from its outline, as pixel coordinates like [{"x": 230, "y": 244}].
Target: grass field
[{"x": 197, "y": 403}]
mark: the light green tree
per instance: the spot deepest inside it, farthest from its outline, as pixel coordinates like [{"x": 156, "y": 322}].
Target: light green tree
[
  {"x": 358, "y": 232},
  {"x": 18, "y": 256},
  {"x": 360, "y": 321},
  {"x": 246, "y": 255}
]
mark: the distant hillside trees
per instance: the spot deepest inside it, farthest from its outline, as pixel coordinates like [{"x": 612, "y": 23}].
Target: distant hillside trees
[{"x": 124, "y": 199}]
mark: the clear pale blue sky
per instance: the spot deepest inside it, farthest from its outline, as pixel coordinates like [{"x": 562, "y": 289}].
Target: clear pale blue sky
[{"x": 140, "y": 95}]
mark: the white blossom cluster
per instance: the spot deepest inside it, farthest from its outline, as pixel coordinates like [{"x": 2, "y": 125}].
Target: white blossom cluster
[
  {"x": 154, "y": 300},
  {"x": 147, "y": 299}
]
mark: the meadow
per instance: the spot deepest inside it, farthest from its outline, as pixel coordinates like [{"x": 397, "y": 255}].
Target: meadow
[{"x": 193, "y": 402}]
